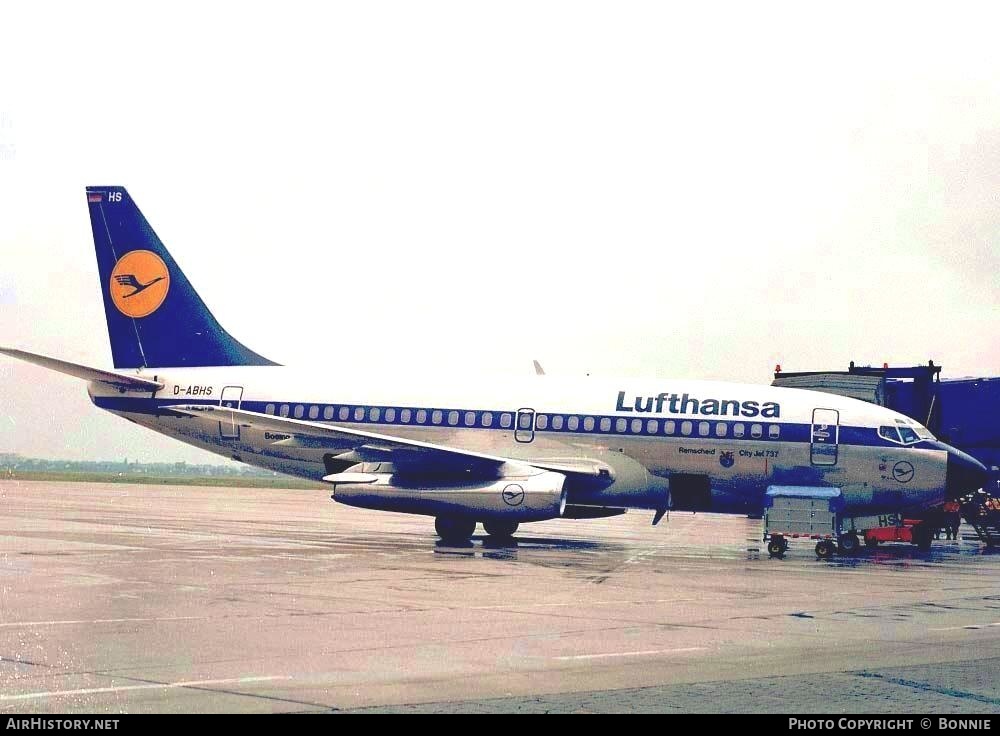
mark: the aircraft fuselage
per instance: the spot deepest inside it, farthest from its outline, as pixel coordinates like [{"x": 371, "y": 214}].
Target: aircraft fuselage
[{"x": 719, "y": 445}]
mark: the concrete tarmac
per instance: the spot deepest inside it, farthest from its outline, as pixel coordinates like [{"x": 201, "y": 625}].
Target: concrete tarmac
[{"x": 120, "y": 598}]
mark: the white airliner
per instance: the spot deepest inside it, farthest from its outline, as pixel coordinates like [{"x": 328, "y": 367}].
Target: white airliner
[{"x": 520, "y": 450}]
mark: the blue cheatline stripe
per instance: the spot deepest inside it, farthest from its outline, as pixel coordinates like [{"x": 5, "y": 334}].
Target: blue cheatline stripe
[{"x": 377, "y": 416}]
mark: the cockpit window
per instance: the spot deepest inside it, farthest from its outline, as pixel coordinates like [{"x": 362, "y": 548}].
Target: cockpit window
[
  {"x": 888, "y": 433},
  {"x": 902, "y": 433}
]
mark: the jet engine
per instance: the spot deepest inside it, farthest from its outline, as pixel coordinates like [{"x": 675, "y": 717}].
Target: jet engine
[{"x": 533, "y": 495}]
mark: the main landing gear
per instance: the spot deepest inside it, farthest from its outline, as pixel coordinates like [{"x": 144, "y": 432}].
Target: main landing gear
[
  {"x": 454, "y": 528},
  {"x": 500, "y": 528},
  {"x": 461, "y": 528}
]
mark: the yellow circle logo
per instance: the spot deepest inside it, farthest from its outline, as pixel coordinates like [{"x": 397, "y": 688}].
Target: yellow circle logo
[{"x": 139, "y": 283}]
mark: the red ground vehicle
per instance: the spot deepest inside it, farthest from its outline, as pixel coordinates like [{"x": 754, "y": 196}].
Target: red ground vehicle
[
  {"x": 792, "y": 512},
  {"x": 913, "y": 531}
]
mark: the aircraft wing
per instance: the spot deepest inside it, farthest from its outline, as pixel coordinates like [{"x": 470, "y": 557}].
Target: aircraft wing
[
  {"x": 408, "y": 455},
  {"x": 118, "y": 380}
]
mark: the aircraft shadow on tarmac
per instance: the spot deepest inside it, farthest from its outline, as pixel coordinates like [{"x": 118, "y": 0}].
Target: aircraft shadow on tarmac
[{"x": 507, "y": 549}]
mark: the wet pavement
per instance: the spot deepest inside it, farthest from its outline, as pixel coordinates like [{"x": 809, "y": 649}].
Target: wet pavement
[{"x": 118, "y": 598}]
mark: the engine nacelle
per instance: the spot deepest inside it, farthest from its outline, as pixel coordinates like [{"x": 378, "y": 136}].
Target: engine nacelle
[
  {"x": 633, "y": 486},
  {"x": 534, "y": 497}
]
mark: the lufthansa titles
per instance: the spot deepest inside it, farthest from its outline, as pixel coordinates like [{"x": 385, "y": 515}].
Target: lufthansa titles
[{"x": 687, "y": 404}]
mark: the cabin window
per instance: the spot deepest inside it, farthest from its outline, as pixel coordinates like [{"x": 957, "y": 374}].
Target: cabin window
[
  {"x": 405, "y": 415},
  {"x": 437, "y": 416},
  {"x": 636, "y": 426},
  {"x": 328, "y": 412},
  {"x": 542, "y": 421},
  {"x": 756, "y": 431},
  {"x": 652, "y": 426},
  {"x": 621, "y": 424},
  {"x": 314, "y": 412},
  {"x": 487, "y": 419},
  {"x": 721, "y": 429},
  {"x": 390, "y": 415},
  {"x": 470, "y": 419},
  {"x": 284, "y": 410},
  {"x": 739, "y": 429},
  {"x": 557, "y": 421},
  {"x": 299, "y": 411},
  {"x": 344, "y": 413},
  {"x": 573, "y": 423},
  {"x": 774, "y": 431},
  {"x": 374, "y": 414},
  {"x": 704, "y": 428},
  {"x": 670, "y": 426},
  {"x": 269, "y": 409},
  {"x": 421, "y": 416},
  {"x": 588, "y": 424},
  {"x": 686, "y": 428},
  {"x": 453, "y": 418},
  {"x": 359, "y": 414},
  {"x": 505, "y": 420},
  {"x": 605, "y": 424}
]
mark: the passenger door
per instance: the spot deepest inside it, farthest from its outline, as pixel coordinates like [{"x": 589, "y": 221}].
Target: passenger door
[
  {"x": 231, "y": 397},
  {"x": 824, "y": 437}
]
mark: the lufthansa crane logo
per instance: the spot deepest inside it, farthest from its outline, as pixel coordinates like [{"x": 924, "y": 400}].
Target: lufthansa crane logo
[
  {"x": 902, "y": 471},
  {"x": 513, "y": 495},
  {"x": 139, "y": 283}
]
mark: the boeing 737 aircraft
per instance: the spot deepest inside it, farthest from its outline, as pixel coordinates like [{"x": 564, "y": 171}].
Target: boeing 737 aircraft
[{"x": 526, "y": 449}]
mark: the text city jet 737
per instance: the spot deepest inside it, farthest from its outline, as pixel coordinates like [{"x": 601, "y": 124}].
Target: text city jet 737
[{"x": 525, "y": 449}]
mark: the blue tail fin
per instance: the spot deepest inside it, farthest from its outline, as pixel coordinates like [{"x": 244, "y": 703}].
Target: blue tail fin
[{"x": 155, "y": 317}]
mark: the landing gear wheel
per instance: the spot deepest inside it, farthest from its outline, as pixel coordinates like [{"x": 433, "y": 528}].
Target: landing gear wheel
[
  {"x": 777, "y": 546},
  {"x": 500, "y": 528},
  {"x": 871, "y": 542},
  {"x": 454, "y": 528},
  {"x": 824, "y": 549},
  {"x": 849, "y": 543}
]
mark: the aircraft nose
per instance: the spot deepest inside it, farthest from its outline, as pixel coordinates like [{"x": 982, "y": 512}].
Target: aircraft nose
[{"x": 965, "y": 473}]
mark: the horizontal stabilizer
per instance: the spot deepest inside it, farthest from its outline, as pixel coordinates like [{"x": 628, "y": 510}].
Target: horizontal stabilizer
[{"x": 119, "y": 381}]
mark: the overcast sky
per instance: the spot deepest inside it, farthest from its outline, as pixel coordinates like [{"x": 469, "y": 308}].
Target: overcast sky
[{"x": 617, "y": 188}]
